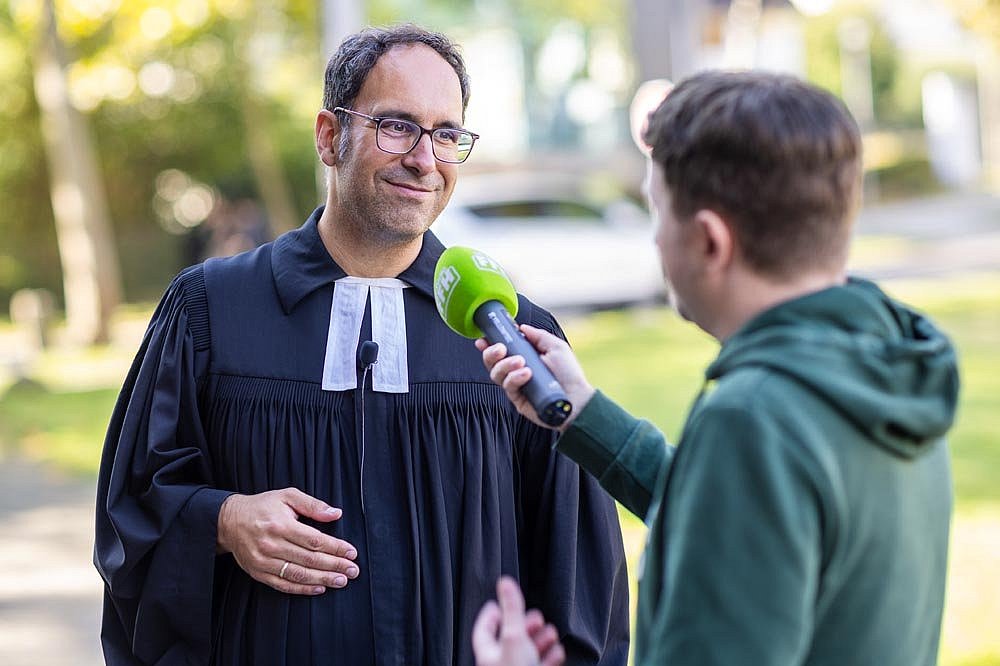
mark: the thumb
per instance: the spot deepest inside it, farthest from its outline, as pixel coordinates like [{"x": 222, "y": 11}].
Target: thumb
[
  {"x": 306, "y": 505},
  {"x": 484, "y": 632},
  {"x": 541, "y": 339}
]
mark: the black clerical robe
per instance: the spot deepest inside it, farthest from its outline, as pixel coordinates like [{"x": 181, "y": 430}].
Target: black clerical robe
[{"x": 225, "y": 396}]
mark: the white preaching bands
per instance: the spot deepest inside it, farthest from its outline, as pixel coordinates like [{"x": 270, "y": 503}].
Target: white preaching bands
[{"x": 340, "y": 370}]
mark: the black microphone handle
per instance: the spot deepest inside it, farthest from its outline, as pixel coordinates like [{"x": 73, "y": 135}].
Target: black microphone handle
[{"x": 542, "y": 390}]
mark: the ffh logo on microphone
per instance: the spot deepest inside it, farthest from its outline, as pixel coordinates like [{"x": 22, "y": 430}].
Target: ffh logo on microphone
[
  {"x": 444, "y": 287},
  {"x": 485, "y": 263}
]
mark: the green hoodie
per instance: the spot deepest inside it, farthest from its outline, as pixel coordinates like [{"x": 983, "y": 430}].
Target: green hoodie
[{"x": 803, "y": 518}]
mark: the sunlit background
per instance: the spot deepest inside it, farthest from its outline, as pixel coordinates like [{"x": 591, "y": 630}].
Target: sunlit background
[{"x": 141, "y": 136}]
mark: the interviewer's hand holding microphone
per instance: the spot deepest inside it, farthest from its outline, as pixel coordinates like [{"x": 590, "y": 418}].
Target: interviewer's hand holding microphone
[
  {"x": 476, "y": 299},
  {"x": 512, "y": 372}
]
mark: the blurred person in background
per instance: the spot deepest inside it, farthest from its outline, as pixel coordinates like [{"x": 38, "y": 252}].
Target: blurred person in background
[
  {"x": 275, "y": 491},
  {"x": 803, "y": 516},
  {"x": 235, "y": 225}
]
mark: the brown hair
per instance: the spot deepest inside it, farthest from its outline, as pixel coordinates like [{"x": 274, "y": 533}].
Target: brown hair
[
  {"x": 778, "y": 158},
  {"x": 350, "y": 65}
]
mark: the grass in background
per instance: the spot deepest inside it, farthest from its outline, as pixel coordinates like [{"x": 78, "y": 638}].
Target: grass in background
[
  {"x": 651, "y": 362},
  {"x": 59, "y": 413},
  {"x": 969, "y": 311},
  {"x": 63, "y": 428}
]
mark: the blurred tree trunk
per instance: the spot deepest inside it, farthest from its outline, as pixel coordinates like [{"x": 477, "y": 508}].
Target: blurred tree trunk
[
  {"x": 265, "y": 162},
  {"x": 91, "y": 276},
  {"x": 339, "y": 18}
]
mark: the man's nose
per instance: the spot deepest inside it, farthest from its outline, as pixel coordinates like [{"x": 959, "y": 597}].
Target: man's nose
[{"x": 421, "y": 158}]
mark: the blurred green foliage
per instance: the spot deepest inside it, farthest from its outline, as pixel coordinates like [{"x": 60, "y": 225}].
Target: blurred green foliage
[
  {"x": 164, "y": 85},
  {"x": 191, "y": 123}
]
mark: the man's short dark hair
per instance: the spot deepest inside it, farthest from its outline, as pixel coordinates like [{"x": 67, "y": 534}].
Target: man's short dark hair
[
  {"x": 350, "y": 65},
  {"x": 780, "y": 159}
]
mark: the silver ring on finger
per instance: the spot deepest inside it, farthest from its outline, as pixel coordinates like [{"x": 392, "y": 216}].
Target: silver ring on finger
[{"x": 284, "y": 567}]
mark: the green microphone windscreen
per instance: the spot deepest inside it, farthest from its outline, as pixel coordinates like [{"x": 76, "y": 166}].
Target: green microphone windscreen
[{"x": 464, "y": 279}]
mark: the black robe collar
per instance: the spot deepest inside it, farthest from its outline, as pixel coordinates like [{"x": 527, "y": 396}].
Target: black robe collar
[{"x": 300, "y": 264}]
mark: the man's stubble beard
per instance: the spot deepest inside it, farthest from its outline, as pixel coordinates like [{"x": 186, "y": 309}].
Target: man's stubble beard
[
  {"x": 374, "y": 220},
  {"x": 383, "y": 224}
]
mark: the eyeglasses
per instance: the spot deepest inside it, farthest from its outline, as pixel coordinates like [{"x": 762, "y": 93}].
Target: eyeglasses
[{"x": 397, "y": 136}]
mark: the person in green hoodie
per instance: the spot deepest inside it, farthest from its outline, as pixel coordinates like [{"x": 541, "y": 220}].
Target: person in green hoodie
[{"x": 803, "y": 516}]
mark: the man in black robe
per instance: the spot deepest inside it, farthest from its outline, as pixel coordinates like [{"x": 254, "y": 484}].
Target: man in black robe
[{"x": 266, "y": 497}]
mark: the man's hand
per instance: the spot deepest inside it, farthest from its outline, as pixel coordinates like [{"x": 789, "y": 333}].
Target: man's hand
[
  {"x": 504, "y": 635},
  {"x": 511, "y": 373},
  {"x": 263, "y": 532}
]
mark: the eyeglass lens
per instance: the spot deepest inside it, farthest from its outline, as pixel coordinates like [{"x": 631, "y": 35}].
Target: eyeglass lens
[{"x": 400, "y": 136}]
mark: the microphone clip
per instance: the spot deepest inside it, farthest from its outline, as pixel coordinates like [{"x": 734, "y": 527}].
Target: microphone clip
[{"x": 367, "y": 354}]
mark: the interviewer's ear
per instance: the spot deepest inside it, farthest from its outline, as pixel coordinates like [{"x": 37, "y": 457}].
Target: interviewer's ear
[
  {"x": 327, "y": 136},
  {"x": 715, "y": 242}
]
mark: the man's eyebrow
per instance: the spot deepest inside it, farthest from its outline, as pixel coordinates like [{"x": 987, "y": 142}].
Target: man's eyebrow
[{"x": 405, "y": 115}]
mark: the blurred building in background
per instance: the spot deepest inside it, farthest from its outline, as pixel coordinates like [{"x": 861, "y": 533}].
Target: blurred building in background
[{"x": 921, "y": 85}]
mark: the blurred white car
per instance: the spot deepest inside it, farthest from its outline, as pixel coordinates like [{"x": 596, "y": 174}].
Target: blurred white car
[{"x": 560, "y": 248}]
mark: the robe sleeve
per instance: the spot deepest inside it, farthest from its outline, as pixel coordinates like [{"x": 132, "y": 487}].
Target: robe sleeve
[
  {"x": 573, "y": 565},
  {"x": 157, "y": 509}
]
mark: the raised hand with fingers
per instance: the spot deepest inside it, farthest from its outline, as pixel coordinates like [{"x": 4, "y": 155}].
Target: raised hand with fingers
[
  {"x": 265, "y": 536},
  {"x": 511, "y": 372},
  {"x": 504, "y": 635}
]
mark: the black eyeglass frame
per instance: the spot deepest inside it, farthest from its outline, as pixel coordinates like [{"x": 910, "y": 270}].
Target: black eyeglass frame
[{"x": 423, "y": 130}]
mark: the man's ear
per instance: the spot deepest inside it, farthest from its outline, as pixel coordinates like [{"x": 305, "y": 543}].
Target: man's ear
[
  {"x": 327, "y": 136},
  {"x": 716, "y": 241}
]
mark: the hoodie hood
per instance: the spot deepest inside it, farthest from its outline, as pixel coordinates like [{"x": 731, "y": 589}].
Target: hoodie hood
[{"x": 888, "y": 369}]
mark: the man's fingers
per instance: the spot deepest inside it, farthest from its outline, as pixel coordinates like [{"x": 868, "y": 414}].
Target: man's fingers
[
  {"x": 313, "y": 540},
  {"x": 291, "y": 587},
  {"x": 545, "y": 639},
  {"x": 319, "y": 561},
  {"x": 306, "y": 505},
  {"x": 512, "y": 374},
  {"x": 484, "y": 632},
  {"x": 492, "y": 354},
  {"x": 323, "y": 561},
  {"x": 543, "y": 635},
  {"x": 503, "y": 368},
  {"x": 515, "y": 380},
  {"x": 300, "y": 575},
  {"x": 511, "y": 608},
  {"x": 541, "y": 339},
  {"x": 556, "y": 656},
  {"x": 533, "y": 621}
]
